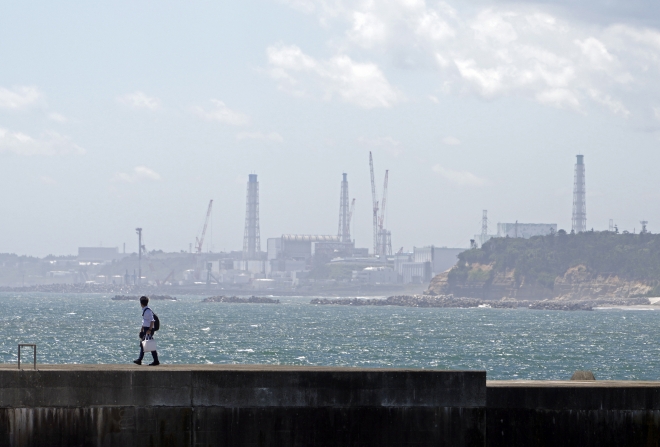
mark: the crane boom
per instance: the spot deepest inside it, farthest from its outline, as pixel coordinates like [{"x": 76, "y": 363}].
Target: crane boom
[
  {"x": 374, "y": 202},
  {"x": 200, "y": 241},
  {"x": 381, "y": 220}
]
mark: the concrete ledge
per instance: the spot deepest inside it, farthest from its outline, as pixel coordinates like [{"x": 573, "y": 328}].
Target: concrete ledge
[
  {"x": 571, "y": 395},
  {"x": 240, "y": 406},
  {"x": 569, "y": 413},
  {"x": 245, "y": 387}
]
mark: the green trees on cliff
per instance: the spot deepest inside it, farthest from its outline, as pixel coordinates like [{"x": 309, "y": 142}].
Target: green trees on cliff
[{"x": 542, "y": 258}]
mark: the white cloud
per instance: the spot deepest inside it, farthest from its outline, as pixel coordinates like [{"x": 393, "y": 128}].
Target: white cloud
[
  {"x": 558, "y": 97},
  {"x": 19, "y": 97},
  {"x": 139, "y": 173},
  {"x": 262, "y": 136},
  {"x": 47, "y": 180},
  {"x": 59, "y": 118},
  {"x": 459, "y": 178},
  {"x": 451, "y": 141},
  {"x": 615, "y": 106},
  {"x": 510, "y": 49},
  {"x": 139, "y": 100},
  {"x": 221, "y": 113},
  {"x": 50, "y": 144},
  {"x": 596, "y": 52},
  {"x": 361, "y": 84}
]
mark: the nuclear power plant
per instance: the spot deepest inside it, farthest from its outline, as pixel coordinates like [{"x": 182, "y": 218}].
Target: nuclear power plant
[{"x": 314, "y": 260}]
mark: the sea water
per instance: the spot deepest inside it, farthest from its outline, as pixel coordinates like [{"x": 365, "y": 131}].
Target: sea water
[{"x": 507, "y": 343}]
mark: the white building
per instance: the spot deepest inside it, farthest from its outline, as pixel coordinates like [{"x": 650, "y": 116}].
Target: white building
[
  {"x": 424, "y": 263},
  {"x": 525, "y": 230}
]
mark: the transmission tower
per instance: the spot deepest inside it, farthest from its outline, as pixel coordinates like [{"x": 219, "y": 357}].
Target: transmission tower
[
  {"x": 374, "y": 202},
  {"x": 384, "y": 236},
  {"x": 140, "y": 247},
  {"x": 484, "y": 227},
  {"x": 579, "y": 199},
  {"x": 251, "y": 242},
  {"x": 344, "y": 230}
]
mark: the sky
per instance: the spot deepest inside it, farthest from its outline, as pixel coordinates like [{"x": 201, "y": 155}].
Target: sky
[{"x": 129, "y": 114}]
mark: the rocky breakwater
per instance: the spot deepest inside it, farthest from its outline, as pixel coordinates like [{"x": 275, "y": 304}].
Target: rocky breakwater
[
  {"x": 236, "y": 299},
  {"x": 449, "y": 301}
]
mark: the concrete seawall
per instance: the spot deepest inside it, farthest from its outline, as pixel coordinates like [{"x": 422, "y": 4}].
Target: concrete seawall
[
  {"x": 243, "y": 405},
  {"x": 548, "y": 413},
  {"x": 103, "y": 405}
]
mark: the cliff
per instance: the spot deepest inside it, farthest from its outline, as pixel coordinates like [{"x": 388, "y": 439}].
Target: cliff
[{"x": 593, "y": 265}]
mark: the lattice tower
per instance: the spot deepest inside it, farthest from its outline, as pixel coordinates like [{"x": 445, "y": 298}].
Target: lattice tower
[
  {"x": 344, "y": 230},
  {"x": 251, "y": 238},
  {"x": 579, "y": 221}
]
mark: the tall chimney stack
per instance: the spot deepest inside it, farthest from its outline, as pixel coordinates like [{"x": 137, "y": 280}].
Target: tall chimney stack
[
  {"x": 251, "y": 240},
  {"x": 579, "y": 199},
  {"x": 344, "y": 231}
]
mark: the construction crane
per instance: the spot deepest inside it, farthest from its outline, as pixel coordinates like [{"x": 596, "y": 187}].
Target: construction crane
[
  {"x": 199, "y": 242},
  {"x": 381, "y": 219},
  {"x": 375, "y": 204},
  {"x": 350, "y": 214}
]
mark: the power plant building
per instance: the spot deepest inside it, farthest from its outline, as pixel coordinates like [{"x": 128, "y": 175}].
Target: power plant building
[
  {"x": 525, "y": 230},
  {"x": 424, "y": 263},
  {"x": 303, "y": 246}
]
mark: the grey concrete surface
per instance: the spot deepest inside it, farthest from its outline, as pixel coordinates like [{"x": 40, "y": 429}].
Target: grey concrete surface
[
  {"x": 572, "y": 413},
  {"x": 240, "y": 405}
]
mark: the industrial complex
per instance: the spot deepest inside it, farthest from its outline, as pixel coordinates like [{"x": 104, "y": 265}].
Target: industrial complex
[{"x": 286, "y": 262}]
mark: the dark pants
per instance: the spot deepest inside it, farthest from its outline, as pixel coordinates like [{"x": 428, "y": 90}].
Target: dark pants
[{"x": 143, "y": 333}]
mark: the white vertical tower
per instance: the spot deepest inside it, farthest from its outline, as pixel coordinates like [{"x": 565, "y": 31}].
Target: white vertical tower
[
  {"x": 251, "y": 241},
  {"x": 579, "y": 199},
  {"x": 344, "y": 230},
  {"x": 484, "y": 227}
]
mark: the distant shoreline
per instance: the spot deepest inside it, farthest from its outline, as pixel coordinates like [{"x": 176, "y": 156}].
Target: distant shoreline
[
  {"x": 348, "y": 291},
  {"x": 427, "y": 301}
]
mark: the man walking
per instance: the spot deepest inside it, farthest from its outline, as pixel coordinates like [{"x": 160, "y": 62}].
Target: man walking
[{"x": 146, "y": 331}]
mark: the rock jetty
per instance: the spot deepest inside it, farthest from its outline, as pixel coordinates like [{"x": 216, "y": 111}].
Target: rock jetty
[
  {"x": 137, "y": 298},
  {"x": 451, "y": 302},
  {"x": 235, "y": 299}
]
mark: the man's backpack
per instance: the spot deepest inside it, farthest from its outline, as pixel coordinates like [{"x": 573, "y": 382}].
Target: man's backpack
[{"x": 156, "y": 319}]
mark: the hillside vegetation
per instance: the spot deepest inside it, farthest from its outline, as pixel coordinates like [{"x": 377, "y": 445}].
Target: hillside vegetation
[{"x": 541, "y": 259}]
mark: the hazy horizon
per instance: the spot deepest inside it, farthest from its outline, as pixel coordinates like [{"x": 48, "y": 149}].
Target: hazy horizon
[{"x": 130, "y": 115}]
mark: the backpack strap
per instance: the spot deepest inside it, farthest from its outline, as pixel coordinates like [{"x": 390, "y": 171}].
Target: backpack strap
[{"x": 145, "y": 309}]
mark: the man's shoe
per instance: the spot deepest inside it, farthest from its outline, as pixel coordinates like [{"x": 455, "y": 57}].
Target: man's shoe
[
  {"x": 137, "y": 362},
  {"x": 154, "y": 363}
]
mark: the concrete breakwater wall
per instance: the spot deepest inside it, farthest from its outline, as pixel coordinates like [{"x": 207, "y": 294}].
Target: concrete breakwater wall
[
  {"x": 104, "y": 405},
  {"x": 107, "y": 405},
  {"x": 595, "y": 413}
]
